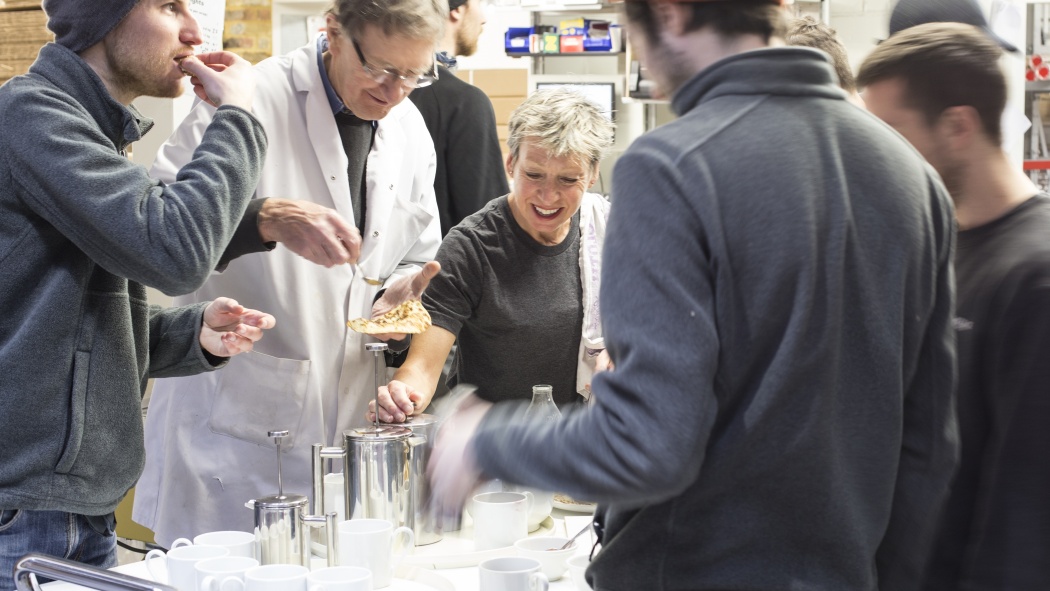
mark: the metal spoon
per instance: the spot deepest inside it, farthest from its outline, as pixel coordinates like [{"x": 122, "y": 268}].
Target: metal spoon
[
  {"x": 566, "y": 545},
  {"x": 368, "y": 280}
]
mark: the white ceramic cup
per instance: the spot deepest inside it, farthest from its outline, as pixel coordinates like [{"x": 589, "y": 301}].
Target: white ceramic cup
[
  {"x": 180, "y": 562},
  {"x": 212, "y": 573},
  {"x": 545, "y": 550},
  {"x": 239, "y": 543},
  {"x": 500, "y": 518},
  {"x": 270, "y": 577},
  {"x": 511, "y": 573},
  {"x": 578, "y": 566},
  {"x": 541, "y": 507},
  {"x": 371, "y": 543},
  {"x": 335, "y": 495},
  {"x": 340, "y": 578}
]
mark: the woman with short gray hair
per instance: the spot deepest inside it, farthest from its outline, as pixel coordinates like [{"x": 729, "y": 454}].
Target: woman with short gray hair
[{"x": 518, "y": 286}]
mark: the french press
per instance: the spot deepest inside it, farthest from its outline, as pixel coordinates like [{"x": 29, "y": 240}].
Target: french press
[
  {"x": 281, "y": 523},
  {"x": 376, "y": 462}
]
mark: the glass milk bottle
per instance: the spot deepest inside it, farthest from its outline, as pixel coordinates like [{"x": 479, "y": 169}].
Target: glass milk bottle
[{"x": 542, "y": 407}]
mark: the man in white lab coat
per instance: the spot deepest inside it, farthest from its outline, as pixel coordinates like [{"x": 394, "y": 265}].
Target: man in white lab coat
[{"x": 321, "y": 105}]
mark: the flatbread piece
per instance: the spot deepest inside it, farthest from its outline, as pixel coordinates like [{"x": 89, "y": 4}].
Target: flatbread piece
[{"x": 408, "y": 318}]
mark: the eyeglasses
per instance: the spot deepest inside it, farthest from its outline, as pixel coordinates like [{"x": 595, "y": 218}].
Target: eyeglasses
[{"x": 383, "y": 76}]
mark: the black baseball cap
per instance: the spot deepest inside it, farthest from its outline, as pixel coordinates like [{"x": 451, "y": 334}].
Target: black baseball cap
[{"x": 910, "y": 13}]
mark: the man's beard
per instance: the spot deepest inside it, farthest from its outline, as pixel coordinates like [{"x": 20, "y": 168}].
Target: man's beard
[
  {"x": 142, "y": 75},
  {"x": 465, "y": 44},
  {"x": 674, "y": 69}
]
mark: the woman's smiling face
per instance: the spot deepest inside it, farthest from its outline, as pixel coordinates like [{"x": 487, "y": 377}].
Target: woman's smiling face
[{"x": 547, "y": 191}]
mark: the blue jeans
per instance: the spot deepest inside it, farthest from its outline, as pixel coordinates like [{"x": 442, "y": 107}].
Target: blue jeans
[{"x": 89, "y": 540}]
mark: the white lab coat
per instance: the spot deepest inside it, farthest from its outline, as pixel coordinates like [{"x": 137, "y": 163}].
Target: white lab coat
[{"x": 207, "y": 451}]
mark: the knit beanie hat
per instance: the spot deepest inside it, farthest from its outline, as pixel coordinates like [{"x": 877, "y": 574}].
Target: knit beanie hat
[
  {"x": 454, "y": 4},
  {"x": 79, "y": 24}
]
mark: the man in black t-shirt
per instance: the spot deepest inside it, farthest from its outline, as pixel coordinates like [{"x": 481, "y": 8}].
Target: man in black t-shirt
[{"x": 941, "y": 87}]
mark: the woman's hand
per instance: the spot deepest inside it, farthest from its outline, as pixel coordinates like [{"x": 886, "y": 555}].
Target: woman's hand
[
  {"x": 409, "y": 287},
  {"x": 397, "y": 401}
]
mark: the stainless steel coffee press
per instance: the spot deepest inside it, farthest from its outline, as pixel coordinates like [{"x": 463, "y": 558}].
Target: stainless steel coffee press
[
  {"x": 424, "y": 429},
  {"x": 376, "y": 461},
  {"x": 281, "y": 523}
]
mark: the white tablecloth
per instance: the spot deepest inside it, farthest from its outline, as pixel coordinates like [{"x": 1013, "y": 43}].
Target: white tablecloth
[{"x": 411, "y": 578}]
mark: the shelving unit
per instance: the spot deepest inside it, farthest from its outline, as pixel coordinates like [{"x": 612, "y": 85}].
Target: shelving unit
[{"x": 1036, "y": 157}]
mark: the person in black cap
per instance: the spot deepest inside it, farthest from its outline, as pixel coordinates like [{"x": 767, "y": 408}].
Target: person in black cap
[
  {"x": 83, "y": 231},
  {"x": 910, "y": 13},
  {"x": 776, "y": 296},
  {"x": 462, "y": 123},
  {"x": 941, "y": 86}
]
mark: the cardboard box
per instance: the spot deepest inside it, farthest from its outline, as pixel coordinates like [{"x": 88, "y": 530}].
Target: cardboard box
[
  {"x": 574, "y": 26},
  {"x": 504, "y": 107},
  {"x": 551, "y": 43},
  {"x": 572, "y": 43},
  {"x": 502, "y": 83},
  {"x": 22, "y": 34},
  {"x": 19, "y": 4},
  {"x": 24, "y": 27}
]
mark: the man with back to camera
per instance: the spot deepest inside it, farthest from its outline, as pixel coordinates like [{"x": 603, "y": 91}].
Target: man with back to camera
[
  {"x": 461, "y": 121},
  {"x": 83, "y": 231},
  {"x": 941, "y": 87},
  {"x": 781, "y": 412},
  {"x": 342, "y": 136}
]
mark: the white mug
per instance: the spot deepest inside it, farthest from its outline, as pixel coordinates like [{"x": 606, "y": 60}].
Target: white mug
[
  {"x": 370, "y": 543},
  {"x": 212, "y": 573},
  {"x": 577, "y": 568},
  {"x": 180, "y": 562},
  {"x": 270, "y": 577},
  {"x": 239, "y": 543},
  {"x": 500, "y": 518},
  {"x": 340, "y": 578},
  {"x": 335, "y": 495},
  {"x": 511, "y": 574}
]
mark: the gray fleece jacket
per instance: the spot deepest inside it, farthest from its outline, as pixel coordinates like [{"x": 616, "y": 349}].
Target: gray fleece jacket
[
  {"x": 777, "y": 298},
  {"x": 82, "y": 230}
]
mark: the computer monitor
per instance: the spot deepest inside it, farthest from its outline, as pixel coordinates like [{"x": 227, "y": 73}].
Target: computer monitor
[{"x": 602, "y": 94}]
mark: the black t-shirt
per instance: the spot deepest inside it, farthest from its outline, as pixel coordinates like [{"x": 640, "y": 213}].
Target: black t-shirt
[
  {"x": 513, "y": 303},
  {"x": 995, "y": 531}
]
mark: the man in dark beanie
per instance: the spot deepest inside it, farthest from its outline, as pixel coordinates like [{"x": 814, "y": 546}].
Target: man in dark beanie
[
  {"x": 780, "y": 415},
  {"x": 83, "y": 231}
]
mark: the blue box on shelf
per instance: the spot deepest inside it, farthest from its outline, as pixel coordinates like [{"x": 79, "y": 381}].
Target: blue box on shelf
[
  {"x": 597, "y": 44},
  {"x": 516, "y": 39}
]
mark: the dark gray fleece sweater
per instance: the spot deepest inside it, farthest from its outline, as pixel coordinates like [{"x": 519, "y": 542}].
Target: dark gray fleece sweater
[
  {"x": 82, "y": 231},
  {"x": 777, "y": 297}
]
